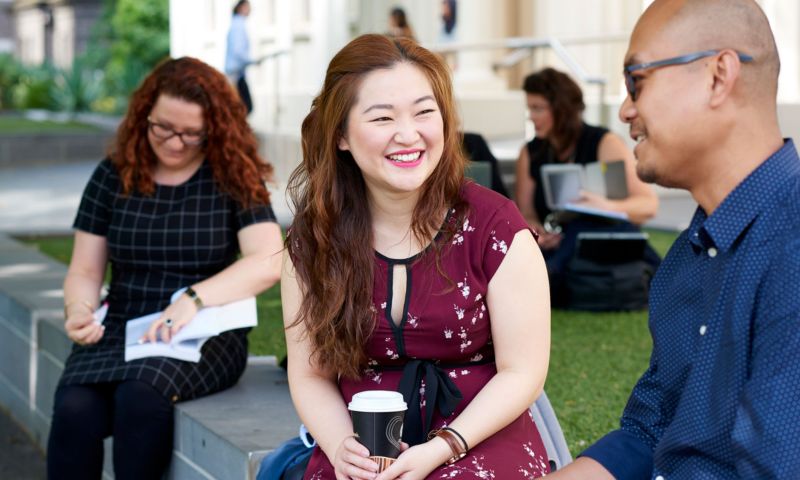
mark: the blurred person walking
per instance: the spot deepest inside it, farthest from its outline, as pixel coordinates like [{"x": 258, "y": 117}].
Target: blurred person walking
[
  {"x": 398, "y": 24},
  {"x": 237, "y": 52}
]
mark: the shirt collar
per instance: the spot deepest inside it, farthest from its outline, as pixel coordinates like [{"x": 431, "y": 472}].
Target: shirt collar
[{"x": 747, "y": 200}]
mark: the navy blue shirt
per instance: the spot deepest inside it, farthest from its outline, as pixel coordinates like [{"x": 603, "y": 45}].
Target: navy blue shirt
[{"x": 721, "y": 398}]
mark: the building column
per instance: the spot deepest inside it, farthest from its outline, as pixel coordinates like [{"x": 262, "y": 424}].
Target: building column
[{"x": 478, "y": 21}]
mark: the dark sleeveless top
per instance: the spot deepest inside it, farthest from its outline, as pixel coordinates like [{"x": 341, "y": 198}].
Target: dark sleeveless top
[{"x": 540, "y": 153}]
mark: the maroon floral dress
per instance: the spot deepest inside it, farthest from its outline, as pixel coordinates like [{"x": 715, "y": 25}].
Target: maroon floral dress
[{"x": 441, "y": 354}]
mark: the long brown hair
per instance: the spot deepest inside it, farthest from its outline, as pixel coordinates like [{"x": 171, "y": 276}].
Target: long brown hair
[
  {"x": 330, "y": 241},
  {"x": 566, "y": 104},
  {"x": 230, "y": 146}
]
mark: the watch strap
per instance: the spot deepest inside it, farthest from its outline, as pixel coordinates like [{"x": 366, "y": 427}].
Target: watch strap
[{"x": 195, "y": 298}]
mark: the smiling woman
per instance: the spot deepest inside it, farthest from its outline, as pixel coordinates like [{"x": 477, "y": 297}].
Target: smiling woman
[
  {"x": 396, "y": 144},
  {"x": 398, "y": 269}
]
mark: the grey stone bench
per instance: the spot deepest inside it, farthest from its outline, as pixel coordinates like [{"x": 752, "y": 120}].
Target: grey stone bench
[{"x": 222, "y": 436}]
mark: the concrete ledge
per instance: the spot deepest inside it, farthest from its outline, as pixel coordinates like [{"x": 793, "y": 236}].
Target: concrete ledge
[
  {"x": 26, "y": 149},
  {"x": 221, "y": 436},
  {"x": 226, "y": 435}
]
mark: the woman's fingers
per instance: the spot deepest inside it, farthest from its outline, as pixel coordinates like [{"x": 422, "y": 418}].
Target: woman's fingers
[
  {"x": 352, "y": 461},
  {"x": 96, "y": 335},
  {"x": 88, "y": 334}
]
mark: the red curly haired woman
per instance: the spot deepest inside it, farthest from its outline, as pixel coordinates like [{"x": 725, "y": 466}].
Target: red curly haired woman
[
  {"x": 181, "y": 196},
  {"x": 401, "y": 275}
]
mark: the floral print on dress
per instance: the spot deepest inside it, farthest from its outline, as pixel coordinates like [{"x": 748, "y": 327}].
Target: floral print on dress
[
  {"x": 463, "y": 287},
  {"x": 497, "y": 244},
  {"x": 468, "y": 465},
  {"x": 316, "y": 476},
  {"x": 536, "y": 467},
  {"x": 458, "y": 238},
  {"x": 372, "y": 374},
  {"x": 465, "y": 341},
  {"x": 412, "y": 320}
]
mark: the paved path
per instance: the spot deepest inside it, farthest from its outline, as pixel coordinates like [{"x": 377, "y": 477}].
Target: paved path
[{"x": 19, "y": 458}]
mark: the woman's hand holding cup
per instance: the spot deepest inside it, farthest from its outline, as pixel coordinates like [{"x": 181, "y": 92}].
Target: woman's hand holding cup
[{"x": 352, "y": 461}]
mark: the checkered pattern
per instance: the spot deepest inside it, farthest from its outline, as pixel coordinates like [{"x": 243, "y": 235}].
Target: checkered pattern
[{"x": 178, "y": 236}]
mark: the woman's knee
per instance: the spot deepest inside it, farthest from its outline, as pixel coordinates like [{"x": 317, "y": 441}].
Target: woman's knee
[
  {"x": 81, "y": 406},
  {"x": 141, "y": 402}
]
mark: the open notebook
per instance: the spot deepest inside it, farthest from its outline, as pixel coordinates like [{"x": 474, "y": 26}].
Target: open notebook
[{"x": 186, "y": 344}]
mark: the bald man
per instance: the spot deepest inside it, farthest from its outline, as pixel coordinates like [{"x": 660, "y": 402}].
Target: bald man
[{"x": 721, "y": 398}]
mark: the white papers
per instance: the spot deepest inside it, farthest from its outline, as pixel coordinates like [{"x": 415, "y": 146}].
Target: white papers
[
  {"x": 186, "y": 344},
  {"x": 597, "y": 212},
  {"x": 99, "y": 315}
]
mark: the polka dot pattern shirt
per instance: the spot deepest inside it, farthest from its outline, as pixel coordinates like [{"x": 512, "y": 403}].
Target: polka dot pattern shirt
[{"x": 721, "y": 397}]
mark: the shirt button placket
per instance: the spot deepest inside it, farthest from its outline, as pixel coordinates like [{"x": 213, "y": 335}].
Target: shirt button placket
[
  {"x": 712, "y": 252},
  {"x": 660, "y": 477},
  {"x": 703, "y": 329}
]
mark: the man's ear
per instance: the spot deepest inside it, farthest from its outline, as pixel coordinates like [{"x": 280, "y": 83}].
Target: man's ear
[{"x": 726, "y": 69}]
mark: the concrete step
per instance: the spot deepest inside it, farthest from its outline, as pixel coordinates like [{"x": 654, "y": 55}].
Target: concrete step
[{"x": 225, "y": 435}]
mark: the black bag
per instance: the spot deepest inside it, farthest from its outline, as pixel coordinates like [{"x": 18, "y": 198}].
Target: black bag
[{"x": 600, "y": 286}]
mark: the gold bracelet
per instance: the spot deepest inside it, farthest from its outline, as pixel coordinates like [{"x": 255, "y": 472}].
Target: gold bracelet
[{"x": 86, "y": 303}]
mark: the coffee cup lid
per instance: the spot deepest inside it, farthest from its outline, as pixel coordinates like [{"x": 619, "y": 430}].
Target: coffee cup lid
[{"x": 377, "y": 401}]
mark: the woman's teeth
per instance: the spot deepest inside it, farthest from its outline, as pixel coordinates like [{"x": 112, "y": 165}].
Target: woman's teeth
[{"x": 405, "y": 157}]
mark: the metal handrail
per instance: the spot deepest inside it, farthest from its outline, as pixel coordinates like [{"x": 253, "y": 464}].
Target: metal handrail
[
  {"x": 523, "y": 47},
  {"x": 274, "y": 55}
]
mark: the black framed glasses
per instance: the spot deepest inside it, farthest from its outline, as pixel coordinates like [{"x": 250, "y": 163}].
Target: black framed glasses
[
  {"x": 630, "y": 81},
  {"x": 163, "y": 132}
]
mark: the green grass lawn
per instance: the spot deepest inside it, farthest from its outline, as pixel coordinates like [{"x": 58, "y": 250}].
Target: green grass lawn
[
  {"x": 595, "y": 358},
  {"x": 10, "y": 124}
]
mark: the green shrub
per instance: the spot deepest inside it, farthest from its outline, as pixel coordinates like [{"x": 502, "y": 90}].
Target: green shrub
[
  {"x": 76, "y": 89},
  {"x": 34, "y": 88},
  {"x": 10, "y": 71}
]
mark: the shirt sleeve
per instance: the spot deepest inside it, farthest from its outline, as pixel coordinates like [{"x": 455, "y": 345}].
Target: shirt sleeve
[
  {"x": 254, "y": 214},
  {"x": 765, "y": 433},
  {"x": 628, "y": 452},
  {"x": 94, "y": 212},
  {"x": 505, "y": 224}
]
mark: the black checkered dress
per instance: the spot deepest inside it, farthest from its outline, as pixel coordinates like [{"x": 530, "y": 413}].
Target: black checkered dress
[{"x": 156, "y": 245}]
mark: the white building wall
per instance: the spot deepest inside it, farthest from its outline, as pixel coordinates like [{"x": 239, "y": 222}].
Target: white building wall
[
  {"x": 63, "y": 36},
  {"x": 30, "y": 31}
]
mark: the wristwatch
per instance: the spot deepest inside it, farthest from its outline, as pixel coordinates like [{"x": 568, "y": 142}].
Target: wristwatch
[{"x": 193, "y": 295}]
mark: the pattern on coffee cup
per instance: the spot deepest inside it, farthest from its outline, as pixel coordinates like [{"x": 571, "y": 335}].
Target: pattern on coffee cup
[
  {"x": 383, "y": 462},
  {"x": 394, "y": 431}
]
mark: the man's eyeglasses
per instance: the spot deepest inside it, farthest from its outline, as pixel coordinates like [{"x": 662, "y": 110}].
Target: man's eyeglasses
[
  {"x": 630, "y": 81},
  {"x": 162, "y": 132}
]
